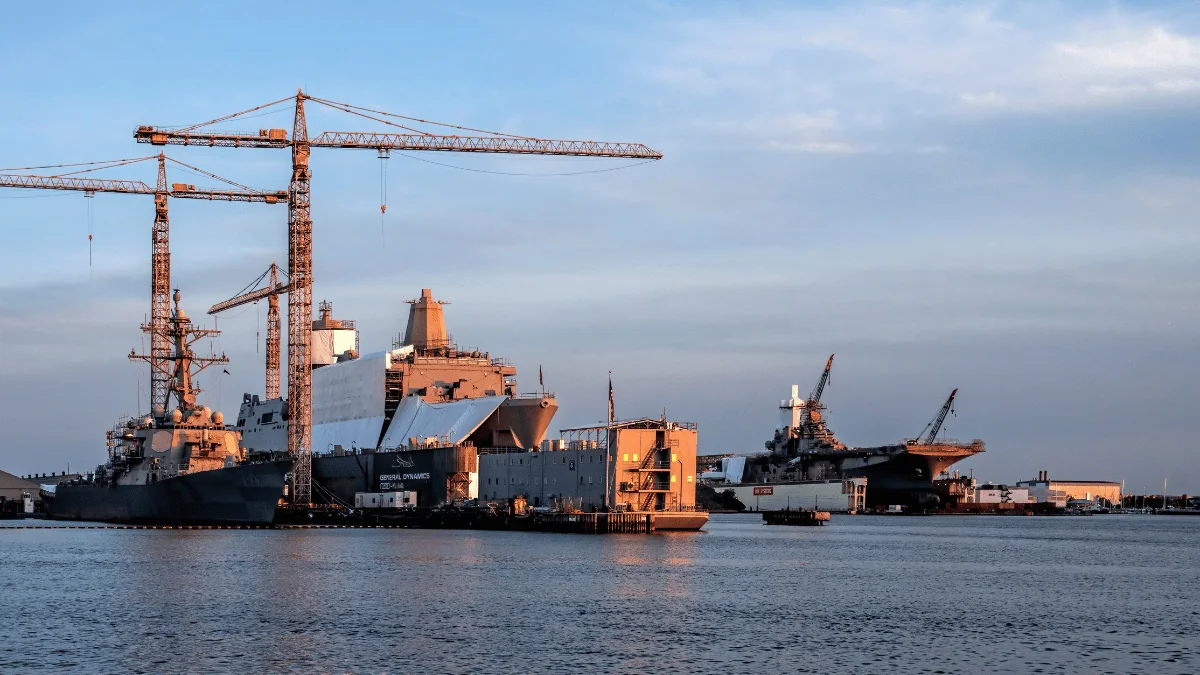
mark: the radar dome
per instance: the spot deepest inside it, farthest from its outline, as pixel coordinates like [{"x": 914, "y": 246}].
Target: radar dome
[
  {"x": 177, "y": 415},
  {"x": 218, "y": 417}
]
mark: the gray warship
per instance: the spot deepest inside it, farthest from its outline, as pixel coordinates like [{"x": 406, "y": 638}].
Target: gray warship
[
  {"x": 803, "y": 448},
  {"x": 177, "y": 466}
]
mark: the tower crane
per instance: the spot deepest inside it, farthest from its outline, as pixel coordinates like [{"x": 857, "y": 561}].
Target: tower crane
[
  {"x": 935, "y": 425},
  {"x": 814, "y": 399},
  {"x": 271, "y": 292},
  {"x": 300, "y": 215},
  {"x": 161, "y": 368}
]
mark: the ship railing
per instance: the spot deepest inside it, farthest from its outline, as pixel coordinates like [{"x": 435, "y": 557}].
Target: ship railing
[{"x": 533, "y": 394}]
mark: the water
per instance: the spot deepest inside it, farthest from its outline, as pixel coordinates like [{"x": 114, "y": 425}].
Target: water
[{"x": 1105, "y": 594}]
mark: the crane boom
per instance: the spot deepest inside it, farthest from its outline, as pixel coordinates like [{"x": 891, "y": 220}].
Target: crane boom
[
  {"x": 246, "y": 298},
  {"x": 815, "y": 397},
  {"x": 936, "y": 425},
  {"x": 136, "y": 187},
  {"x": 487, "y": 144},
  {"x": 384, "y": 141}
]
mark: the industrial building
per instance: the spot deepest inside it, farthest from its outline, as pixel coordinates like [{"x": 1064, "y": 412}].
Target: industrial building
[
  {"x": 638, "y": 465},
  {"x": 18, "y": 495},
  {"x": 1059, "y": 492}
]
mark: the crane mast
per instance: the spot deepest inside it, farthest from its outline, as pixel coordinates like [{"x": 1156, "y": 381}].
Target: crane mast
[
  {"x": 161, "y": 369},
  {"x": 300, "y": 220}
]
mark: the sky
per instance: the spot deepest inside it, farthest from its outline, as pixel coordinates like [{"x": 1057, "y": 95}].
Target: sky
[{"x": 990, "y": 196}]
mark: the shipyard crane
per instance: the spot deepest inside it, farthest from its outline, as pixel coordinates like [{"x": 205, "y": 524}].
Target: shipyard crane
[
  {"x": 935, "y": 425},
  {"x": 814, "y": 399},
  {"x": 271, "y": 292},
  {"x": 161, "y": 369},
  {"x": 300, "y": 214}
]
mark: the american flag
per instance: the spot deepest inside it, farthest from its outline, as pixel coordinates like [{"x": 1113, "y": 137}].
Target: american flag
[{"x": 612, "y": 413}]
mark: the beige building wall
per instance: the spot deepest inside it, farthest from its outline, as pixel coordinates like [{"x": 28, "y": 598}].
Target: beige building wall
[
  {"x": 1088, "y": 490},
  {"x": 655, "y": 469}
]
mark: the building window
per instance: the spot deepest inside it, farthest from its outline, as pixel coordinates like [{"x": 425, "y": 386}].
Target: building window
[
  {"x": 689, "y": 479},
  {"x": 581, "y": 480},
  {"x": 626, "y": 457},
  {"x": 635, "y": 456},
  {"x": 674, "y": 457},
  {"x": 672, "y": 478}
]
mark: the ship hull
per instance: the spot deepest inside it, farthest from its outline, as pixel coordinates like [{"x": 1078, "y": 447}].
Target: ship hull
[{"x": 241, "y": 495}]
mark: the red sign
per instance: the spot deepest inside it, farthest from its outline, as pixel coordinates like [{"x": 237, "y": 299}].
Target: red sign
[{"x": 766, "y": 490}]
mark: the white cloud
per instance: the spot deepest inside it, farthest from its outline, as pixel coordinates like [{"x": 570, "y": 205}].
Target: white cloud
[
  {"x": 891, "y": 63},
  {"x": 1155, "y": 49}
]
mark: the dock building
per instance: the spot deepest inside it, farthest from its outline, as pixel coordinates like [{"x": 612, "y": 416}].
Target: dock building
[
  {"x": 636, "y": 465},
  {"x": 1043, "y": 489}
]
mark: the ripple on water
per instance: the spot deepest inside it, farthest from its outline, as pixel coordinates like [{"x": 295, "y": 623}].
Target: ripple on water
[{"x": 1099, "y": 595}]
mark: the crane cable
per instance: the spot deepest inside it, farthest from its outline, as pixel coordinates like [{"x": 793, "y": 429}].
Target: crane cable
[
  {"x": 383, "y": 158},
  {"x": 90, "y": 199},
  {"x": 213, "y": 175},
  {"x": 344, "y": 107},
  {"x": 62, "y": 166}
]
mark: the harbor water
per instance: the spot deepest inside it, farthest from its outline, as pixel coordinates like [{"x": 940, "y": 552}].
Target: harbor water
[{"x": 1100, "y": 594}]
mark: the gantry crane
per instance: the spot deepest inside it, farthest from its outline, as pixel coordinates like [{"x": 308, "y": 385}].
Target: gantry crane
[
  {"x": 300, "y": 216},
  {"x": 161, "y": 368},
  {"x": 271, "y": 292},
  {"x": 935, "y": 425}
]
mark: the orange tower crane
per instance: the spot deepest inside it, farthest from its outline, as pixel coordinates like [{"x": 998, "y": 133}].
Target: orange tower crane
[
  {"x": 300, "y": 215},
  {"x": 161, "y": 368},
  {"x": 271, "y": 292}
]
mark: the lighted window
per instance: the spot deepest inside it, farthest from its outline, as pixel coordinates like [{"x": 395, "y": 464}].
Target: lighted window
[
  {"x": 635, "y": 457},
  {"x": 689, "y": 479},
  {"x": 674, "y": 457},
  {"x": 672, "y": 478},
  {"x": 625, "y": 457}
]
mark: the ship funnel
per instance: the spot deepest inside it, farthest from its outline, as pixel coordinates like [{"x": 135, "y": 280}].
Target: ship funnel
[{"x": 426, "y": 325}]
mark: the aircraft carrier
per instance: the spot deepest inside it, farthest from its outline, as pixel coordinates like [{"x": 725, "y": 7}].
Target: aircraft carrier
[
  {"x": 181, "y": 466},
  {"x": 804, "y": 450}
]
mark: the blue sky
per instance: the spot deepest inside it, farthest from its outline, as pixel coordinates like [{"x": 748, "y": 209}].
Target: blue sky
[{"x": 991, "y": 196}]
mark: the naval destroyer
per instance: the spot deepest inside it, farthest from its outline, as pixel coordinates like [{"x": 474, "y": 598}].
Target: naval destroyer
[{"x": 177, "y": 466}]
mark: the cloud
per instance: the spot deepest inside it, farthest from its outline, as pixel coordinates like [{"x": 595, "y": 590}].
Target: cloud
[
  {"x": 1156, "y": 49},
  {"x": 882, "y": 67}
]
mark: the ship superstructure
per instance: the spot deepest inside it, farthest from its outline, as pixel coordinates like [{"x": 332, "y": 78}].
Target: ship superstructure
[
  {"x": 181, "y": 464},
  {"x": 424, "y": 395}
]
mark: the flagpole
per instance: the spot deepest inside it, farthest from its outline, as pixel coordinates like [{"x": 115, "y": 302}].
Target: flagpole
[{"x": 608, "y": 447}]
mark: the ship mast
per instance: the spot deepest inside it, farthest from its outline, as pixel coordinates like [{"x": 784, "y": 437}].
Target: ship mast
[{"x": 182, "y": 365}]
